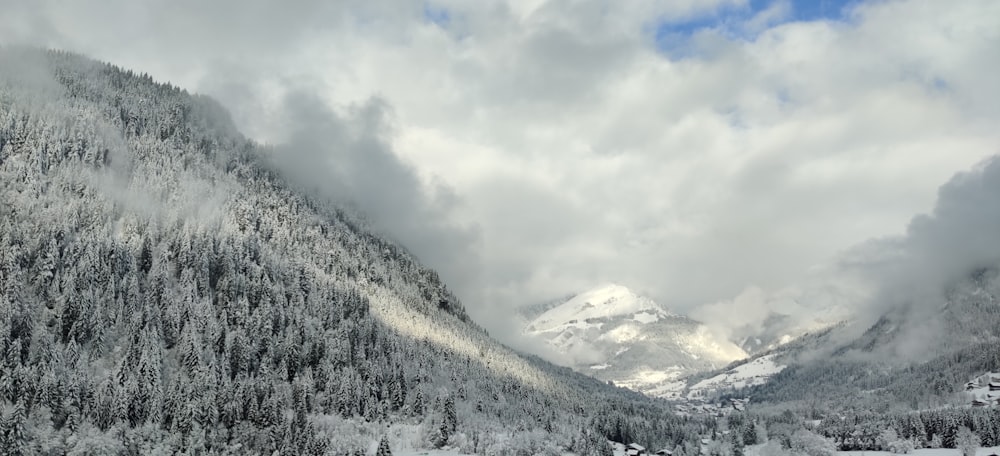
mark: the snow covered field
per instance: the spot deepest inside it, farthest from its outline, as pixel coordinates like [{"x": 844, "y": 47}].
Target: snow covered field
[
  {"x": 755, "y": 372},
  {"x": 925, "y": 452},
  {"x": 754, "y": 450},
  {"x": 427, "y": 453}
]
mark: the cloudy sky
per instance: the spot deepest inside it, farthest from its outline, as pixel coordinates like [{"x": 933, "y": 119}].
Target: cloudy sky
[{"x": 695, "y": 150}]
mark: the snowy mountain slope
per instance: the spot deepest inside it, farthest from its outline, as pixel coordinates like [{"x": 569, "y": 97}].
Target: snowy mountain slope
[
  {"x": 742, "y": 375},
  {"x": 599, "y": 303},
  {"x": 917, "y": 358},
  {"x": 908, "y": 356},
  {"x": 755, "y": 372},
  {"x": 164, "y": 288},
  {"x": 778, "y": 330},
  {"x": 614, "y": 334}
]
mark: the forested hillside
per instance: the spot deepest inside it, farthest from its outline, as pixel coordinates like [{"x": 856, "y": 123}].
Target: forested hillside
[
  {"x": 164, "y": 289},
  {"x": 853, "y": 390},
  {"x": 960, "y": 340}
]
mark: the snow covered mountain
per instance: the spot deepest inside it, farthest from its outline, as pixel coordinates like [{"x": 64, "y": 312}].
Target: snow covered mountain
[
  {"x": 164, "y": 288},
  {"x": 778, "y": 330},
  {"x": 614, "y": 334},
  {"x": 913, "y": 357}
]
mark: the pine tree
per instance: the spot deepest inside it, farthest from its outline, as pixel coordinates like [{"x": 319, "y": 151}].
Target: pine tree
[
  {"x": 441, "y": 435},
  {"x": 600, "y": 445},
  {"x": 966, "y": 441},
  {"x": 417, "y": 408},
  {"x": 12, "y": 433},
  {"x": 383, "y": 447},
  {"x": 935, "y": 441},
  {"x": 749, "y": 434},
  {"x": 450, "y": 416},
  {"x": 737, "y": 441}
]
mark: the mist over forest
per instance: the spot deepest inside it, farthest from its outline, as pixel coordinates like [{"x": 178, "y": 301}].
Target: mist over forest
[{"x": 722, "y": 228}]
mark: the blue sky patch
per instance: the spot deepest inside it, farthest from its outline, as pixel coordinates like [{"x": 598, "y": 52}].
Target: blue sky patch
[
  {"x": 437, "y": 15},
  {"x": 813, "y": 10},
  {"x": 671, "y": 37}
]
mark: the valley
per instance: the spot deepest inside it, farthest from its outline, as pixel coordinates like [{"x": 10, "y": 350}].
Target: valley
[{"x": 330, "y": 256}]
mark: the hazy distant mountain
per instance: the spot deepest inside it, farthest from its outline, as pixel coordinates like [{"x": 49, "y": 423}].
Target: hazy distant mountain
[
  {"x": 912, "y": 357},
  {"x": 164, "y": 289},
  {"x": 778, "y": 329},
  {"x": 925, "y": 338},
  {"x": 615, "y": 334}
]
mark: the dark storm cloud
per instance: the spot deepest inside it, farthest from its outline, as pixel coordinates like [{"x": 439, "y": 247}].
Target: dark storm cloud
[
  {"x": 960, "y": 236},
  {"x": 347, "y": 156}
]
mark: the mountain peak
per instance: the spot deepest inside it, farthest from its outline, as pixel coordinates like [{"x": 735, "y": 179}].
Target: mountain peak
[
  {"x": 605, "y": 301},
  {"x": 616, "y": 334}
]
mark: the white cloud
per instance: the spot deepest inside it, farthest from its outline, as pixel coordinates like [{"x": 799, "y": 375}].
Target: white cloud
[{"x": 585, "y": 154}]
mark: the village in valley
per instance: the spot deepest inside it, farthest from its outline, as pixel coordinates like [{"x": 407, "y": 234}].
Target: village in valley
[
  {"x": 984, "y": 391},
  {"x": 634, "y": 449},
  {"x": 705, "y": 407},
  {"x": 981, "y": 391}
]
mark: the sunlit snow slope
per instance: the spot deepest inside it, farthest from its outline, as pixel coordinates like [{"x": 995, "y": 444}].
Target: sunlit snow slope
[{"x": 614, "y": 334}]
